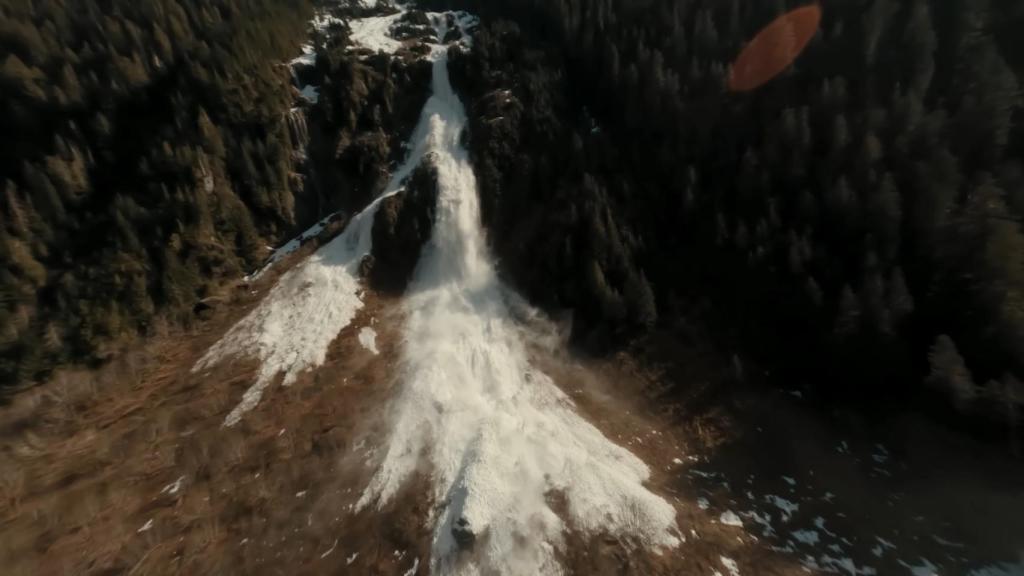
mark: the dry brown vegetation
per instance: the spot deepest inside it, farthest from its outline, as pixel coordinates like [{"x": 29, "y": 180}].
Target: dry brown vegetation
[{"x": 127, "y": 469}]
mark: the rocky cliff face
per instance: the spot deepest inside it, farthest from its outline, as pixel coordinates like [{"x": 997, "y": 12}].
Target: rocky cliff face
[
  {"x": 557, "y": 220},
  {"x": 401, "y": 228}
]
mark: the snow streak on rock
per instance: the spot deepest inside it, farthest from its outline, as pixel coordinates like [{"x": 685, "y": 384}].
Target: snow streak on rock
[{"x": 499, "y": 435}]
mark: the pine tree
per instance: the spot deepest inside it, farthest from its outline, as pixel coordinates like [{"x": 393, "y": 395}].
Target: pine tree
[
  {"x": 848, "y": 318},
  {"x": 640, "y": 300},
  {"x": 949, "y": 374}
]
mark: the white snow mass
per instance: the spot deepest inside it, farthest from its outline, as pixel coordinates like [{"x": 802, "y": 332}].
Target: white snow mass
[{"x": 500, "y": 436}]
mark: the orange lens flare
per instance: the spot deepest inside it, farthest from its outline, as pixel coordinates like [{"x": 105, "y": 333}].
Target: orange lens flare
[{"x": 774, "y": 48}]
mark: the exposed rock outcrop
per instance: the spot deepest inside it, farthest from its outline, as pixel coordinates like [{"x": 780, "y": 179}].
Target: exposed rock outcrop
[{"x": 401, "y": 228}]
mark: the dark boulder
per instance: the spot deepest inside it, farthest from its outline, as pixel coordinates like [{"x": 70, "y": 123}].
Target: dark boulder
[
  {"x": 400, "y": 229},
  {"x": 463, "y": 534},
  {"x": 453, "y": 35}
]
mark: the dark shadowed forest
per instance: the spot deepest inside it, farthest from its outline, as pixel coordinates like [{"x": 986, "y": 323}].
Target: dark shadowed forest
[
  {"x": 145, "y": 155},
  {"x": 855, "y": 225}
]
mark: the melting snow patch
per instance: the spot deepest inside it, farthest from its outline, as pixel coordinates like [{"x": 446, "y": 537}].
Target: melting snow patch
[
  {"x": 926, "y": 568},
  {"x": 677, "y": 461},
  {"x": 763, "y": 520},
  {"x": 173, "y": 487},
  {"x": 702, "y": 503},
  {"x": 785, "y": 506},
  {"x": 328, "y": 552},
  {"x": 1004, "y": 569},
  {"x": 885, "y": 543},
  {"x": 790, "y": 481},
  {"x": 819, "y": 523},
  {"x": 730, "y": 565},
  {"x": 845, "y": 565},
  {"x": 351, "y": 558},
  {"x": 373, "y": 33},
  {"x": 324, "y": 21},
  {"x": 729, "y": 518},
  {"x": 146, "y": 526},
  {"x": 947, "y": 543},
  {"x": 310, "y": 93},
  {"x": 307, "y": 58},
  {"x": 368, "y": 338}
]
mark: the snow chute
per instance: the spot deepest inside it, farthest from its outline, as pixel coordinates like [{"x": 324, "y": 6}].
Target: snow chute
[{"x": 774, "y": 48}]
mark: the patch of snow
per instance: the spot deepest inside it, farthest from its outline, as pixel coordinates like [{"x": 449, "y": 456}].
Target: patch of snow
[
  {"x": 173, "y": 487},
  {"x": 729, "y": 518},
  {"x": 819, "y": 523},
  {"x": 351, "y": 558},
  {"x": 947, "y": 543},
  {"x": 328, "y": 552},
  {"x": 808, "y": 537},
  {"x": 763, "y": 520},
  {"x": 730, "y": 565},
  {"x": 310, "y": 93},
  {"x": 789, "y": 480},
  {"x": 885, "y": 543},
  {"x": 785, "y": 506},
  {"x": 702, "y": 503},
  {"x": 306, "y": 59},
  {"x": 145, "y": 527},
  {"x": 300, "y": 494},
  {"x": 1004, "y": 569},
  {"x": 373, "y": 33},
  {"x": 368, "y": 338},
  {"x": 322, "y": 21},
  {"x": 677, "y": 461},
  {"x": 846, "y": 565},
  {"x": 926, "y": 568},
  {"x": 498, "y": 433}
]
